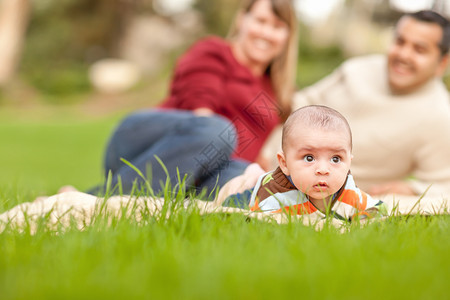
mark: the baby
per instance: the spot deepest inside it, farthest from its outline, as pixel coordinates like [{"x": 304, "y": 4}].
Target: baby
[{"x": 313, "y": 176}]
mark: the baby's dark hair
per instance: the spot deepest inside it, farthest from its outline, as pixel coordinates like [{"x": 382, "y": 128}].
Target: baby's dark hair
[{"x": 317, "y": 116}]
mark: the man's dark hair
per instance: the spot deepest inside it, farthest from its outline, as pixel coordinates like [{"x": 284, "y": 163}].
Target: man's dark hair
[{"x": 430, "y": 16}]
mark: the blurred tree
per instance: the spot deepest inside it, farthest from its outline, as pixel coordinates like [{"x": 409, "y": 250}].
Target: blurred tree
[
  {"x": 65, "y": 36},
  {"x": 13, "y": 21},
  {"x": 217, "y": 16},
  {"x": 80, "y": 26}
]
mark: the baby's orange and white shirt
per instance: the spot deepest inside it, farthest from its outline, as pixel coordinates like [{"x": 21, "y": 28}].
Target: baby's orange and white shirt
[{"x": 274, "y": 192}]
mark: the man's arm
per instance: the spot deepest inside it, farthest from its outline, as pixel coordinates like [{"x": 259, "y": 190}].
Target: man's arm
[{"x": 432, "y": 160}]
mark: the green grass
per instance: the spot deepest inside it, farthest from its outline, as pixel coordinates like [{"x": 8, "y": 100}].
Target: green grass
[
  {"x": 190, "y": 256},
  {"x": 225, "y": 257},
  {"x": 39, "y": 156}
]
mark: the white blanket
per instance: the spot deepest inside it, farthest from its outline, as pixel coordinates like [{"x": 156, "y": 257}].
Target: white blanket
[{"x": 80, "y": 209}]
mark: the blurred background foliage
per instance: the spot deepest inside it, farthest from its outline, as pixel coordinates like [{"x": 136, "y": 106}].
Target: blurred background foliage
[{"x": 63, "y": 38}]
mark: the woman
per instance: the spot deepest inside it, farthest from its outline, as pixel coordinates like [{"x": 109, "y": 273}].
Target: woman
[{"x": 225, "y": 98}]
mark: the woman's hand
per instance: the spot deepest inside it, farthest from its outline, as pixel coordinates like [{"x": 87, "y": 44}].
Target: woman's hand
[{"x": 203, "y": 112}]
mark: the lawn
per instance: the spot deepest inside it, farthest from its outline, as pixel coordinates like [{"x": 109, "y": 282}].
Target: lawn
[
  {"x": 39, "y": 155},
  {"x": 190, "y": 256}
]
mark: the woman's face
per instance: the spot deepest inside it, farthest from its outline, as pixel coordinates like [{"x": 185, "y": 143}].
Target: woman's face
[{"x": 262, "y": 36}]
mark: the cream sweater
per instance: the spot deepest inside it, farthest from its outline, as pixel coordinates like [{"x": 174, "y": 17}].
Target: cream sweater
[{"x": 394, "y": 137}]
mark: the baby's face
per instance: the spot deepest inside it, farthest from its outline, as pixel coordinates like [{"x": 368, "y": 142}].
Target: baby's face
[{"x": 318, "y": 160}]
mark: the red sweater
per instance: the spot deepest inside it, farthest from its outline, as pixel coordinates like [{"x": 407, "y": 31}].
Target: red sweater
[{"x": 208, "y": 76}]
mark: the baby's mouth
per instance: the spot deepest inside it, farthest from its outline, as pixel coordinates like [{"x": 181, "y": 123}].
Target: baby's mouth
[{"x": 321, "y": 186}]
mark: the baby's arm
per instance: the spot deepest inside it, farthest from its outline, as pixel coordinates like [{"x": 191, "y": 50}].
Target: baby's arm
[
  {"x": 240, "y": 183},
  {"x": 373, "y": 209}
]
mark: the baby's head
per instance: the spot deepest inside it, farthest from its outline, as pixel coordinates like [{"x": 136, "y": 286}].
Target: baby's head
[
  {"x": 316, "y": 150},
  {"x": 315, "y": 117}
]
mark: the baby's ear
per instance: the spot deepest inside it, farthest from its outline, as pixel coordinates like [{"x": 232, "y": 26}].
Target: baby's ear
[{"x": 282, "y": 163}]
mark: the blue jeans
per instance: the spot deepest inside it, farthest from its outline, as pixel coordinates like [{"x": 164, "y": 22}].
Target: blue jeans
[{"x": 197, "y": 146}]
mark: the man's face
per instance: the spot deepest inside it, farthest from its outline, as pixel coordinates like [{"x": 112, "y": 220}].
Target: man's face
[{"x": 414, "y": 57}]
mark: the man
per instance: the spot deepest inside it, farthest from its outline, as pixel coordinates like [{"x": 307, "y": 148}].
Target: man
[{"x": 398, "y": 108}]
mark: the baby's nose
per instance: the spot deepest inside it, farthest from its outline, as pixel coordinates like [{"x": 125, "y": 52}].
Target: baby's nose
[{"x": 322, "y": 169}]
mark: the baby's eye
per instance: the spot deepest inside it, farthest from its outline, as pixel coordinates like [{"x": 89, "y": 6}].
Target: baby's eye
[
  {"x": 308, "y": 158},
  {"x": 336, "y": 159}
]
